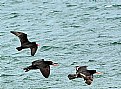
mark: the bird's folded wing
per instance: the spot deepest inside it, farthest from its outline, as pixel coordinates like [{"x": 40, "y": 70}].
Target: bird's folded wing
[
  {"x": 33, "y": 50},
  {"x": 22, "y": 36}
]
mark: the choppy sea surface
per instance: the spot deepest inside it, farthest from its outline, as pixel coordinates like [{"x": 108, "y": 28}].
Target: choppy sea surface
[{"x": 71, "y": 33}]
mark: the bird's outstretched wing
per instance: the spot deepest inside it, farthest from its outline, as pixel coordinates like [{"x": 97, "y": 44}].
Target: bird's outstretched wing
[{"x": 22, "y": 36}]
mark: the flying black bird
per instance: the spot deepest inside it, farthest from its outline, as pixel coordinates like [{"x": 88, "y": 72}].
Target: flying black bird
[
  {"x": 25, "y": 43},
  {"x": 82, "y": 72},
  {"x": 44, "y": 67}
]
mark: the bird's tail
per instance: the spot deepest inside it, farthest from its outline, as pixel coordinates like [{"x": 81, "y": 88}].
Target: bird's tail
[
  {"x": 72, "y": 76},
  {"x": 19, "y": 48},
  {"x": 28, "y": 68}
]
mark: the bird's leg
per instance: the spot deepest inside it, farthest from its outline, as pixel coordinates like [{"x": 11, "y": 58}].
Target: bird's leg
[
  {"x": 28, "y": 68},
  {"x": 19, "y": 48},
  {"x": 72, "y": 76}
]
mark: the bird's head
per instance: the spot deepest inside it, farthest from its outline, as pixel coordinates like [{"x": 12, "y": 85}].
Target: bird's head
[
  {"x": 77, "y": 67},
  {"x": 35, "y": 43},
  {"x": 51, "y": 63}
]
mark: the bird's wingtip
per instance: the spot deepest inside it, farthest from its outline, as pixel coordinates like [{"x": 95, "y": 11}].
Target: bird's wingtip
[{"x": 26, "y": 69}]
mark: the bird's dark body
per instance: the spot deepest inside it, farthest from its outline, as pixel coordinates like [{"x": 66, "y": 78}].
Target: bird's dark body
[
  {"x": 27, "y": 45},
  {"x": 82, "y": 72},
  {"x": 44, "y": 67}
]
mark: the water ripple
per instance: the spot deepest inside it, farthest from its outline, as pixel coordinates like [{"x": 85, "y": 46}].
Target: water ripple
[{"x": 76, "y": 32}]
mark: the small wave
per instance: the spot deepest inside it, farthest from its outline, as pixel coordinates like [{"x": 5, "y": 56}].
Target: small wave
[
  {"x": 4, "y": 57},
  {"x": 75, "y": 26},
  {"x": 91, "y": 60},
  {"x": 13, "y": 15},
  {"x": 108, "y": 6},
  {"x": 113, "y": 87},
  {"x": 93, "y": 8},
  {"x": 6, "y": 75},
  {"x": 74, "y": 63},
  {"x": 46, "y": 48},
  {"x": 69, "y": 5},
  {"x": 116, "y": 5},
  {"x": 115, "y": 43}
]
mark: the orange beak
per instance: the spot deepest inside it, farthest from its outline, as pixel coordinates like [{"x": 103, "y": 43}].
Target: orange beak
[
  {"x": 98, "y": 73},
  {"x": 38, "y": 44},
  {"x": 55, "y": 64}
]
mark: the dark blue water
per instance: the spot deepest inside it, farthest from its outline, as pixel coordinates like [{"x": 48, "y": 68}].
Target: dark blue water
[{"x": 70, "y": 32}]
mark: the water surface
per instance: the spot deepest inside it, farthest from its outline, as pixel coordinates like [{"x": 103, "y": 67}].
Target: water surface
[{"x": 70, "y": 32}]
